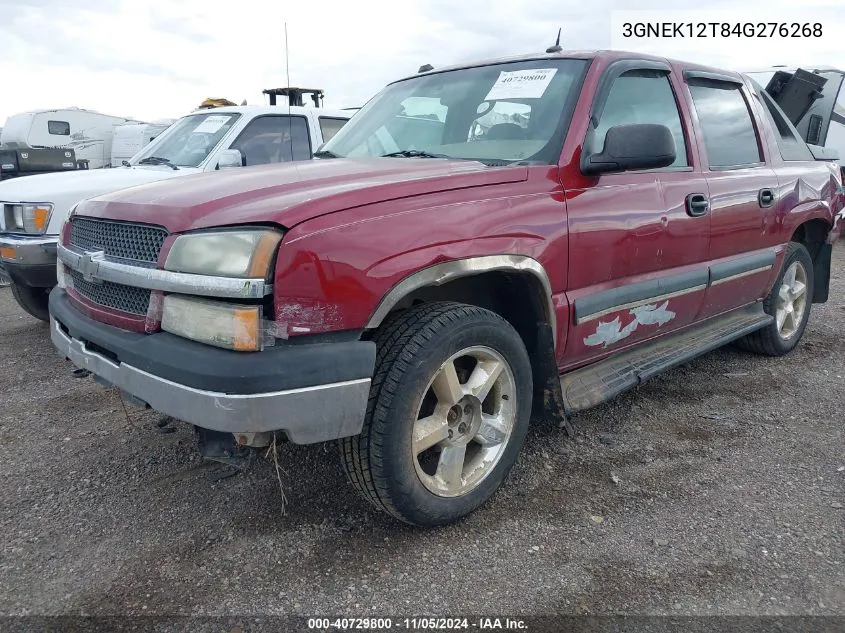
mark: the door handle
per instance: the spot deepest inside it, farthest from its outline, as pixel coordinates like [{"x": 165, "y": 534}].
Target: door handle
[
  {"x": 766, "y": 197},
  {"x": 697, "y": 204}
]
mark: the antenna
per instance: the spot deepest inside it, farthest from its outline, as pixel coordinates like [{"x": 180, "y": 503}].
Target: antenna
[
  {"x": 287, "y": 57},
  {"x": 287, "y": 72},
  {"x": 556, "y": 48}
]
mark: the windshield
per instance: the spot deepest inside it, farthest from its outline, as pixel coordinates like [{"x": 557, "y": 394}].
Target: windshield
[
  {"x": 189, "y": 141},
  {"x": 499, "y": 113}
]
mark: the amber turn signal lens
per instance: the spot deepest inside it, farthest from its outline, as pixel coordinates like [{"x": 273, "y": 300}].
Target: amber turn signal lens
[
  {"x": 236, "y": 327},
  {"x": 259, "y": 266},
  {"x": 245, "y": 330},
  {"x": 8, "y": 252},
  {"x": 40, "y": 217}
]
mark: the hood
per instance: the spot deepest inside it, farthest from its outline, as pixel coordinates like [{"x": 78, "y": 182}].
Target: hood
[
  {"x": 290, "y": 193},
  {"x": 57, "y": 186}
]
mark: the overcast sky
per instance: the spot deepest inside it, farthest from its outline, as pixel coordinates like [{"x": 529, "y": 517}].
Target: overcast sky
[{"x": 150, "y": 59}]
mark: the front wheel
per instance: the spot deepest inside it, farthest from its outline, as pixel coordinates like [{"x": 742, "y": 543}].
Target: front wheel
[
  {"x": 789, "y": 303},
  {"x": 448, "y": 412},
  {"x": 33, "y": 300}
]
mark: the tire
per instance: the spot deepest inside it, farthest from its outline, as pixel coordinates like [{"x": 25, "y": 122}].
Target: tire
[
  {"x": 415, "y": 349},
  {"x": 33, "y": 300},
  {"x": 775, "y": 339}
]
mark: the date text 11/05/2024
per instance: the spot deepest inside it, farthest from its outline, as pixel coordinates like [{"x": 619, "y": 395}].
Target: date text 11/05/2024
[
  {"x": 418, "y": 624},
  {"x": 694, "y": 30}
]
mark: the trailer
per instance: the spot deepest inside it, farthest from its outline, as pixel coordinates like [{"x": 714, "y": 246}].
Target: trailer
[
  {"x": 131, "y": 138},
  {"x": 813, "y": 100},
  {"x": 87, "y": 133}
]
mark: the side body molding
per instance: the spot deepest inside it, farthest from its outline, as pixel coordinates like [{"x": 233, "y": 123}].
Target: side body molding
[{"x": 445, "y": 272}]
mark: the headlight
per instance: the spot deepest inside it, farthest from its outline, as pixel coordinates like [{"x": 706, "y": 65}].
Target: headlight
[
  {"x": 226, "y": 325},
  {"x": 28, "y": 218},
  {"x": 239, "y": 253}
]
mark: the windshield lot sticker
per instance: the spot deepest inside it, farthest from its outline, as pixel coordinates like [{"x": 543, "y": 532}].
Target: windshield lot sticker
[
  {"x": 521, "y": 84},
  {"x": 212, "y": 124},
  {"x": 610, "y": 332}
]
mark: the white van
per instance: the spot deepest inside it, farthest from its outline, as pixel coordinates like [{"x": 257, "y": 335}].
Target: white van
[{"x": 87, "y": 133}]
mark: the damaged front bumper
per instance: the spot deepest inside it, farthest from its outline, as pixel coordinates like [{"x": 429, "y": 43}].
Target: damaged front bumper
[{"x": 310, "y": 392}]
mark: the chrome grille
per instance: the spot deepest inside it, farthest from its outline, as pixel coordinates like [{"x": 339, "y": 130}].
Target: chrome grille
[
  {"x": 118, "y": 239},
  {"x": 110, "y": 295},
  {"x": 138, "y": 243}
]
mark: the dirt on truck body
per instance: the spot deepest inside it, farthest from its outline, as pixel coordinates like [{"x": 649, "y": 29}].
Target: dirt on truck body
[{"x": 541, "y": 233}]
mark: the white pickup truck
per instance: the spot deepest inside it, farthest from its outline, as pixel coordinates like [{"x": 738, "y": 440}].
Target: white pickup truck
[{"x": 33, "y": 209}]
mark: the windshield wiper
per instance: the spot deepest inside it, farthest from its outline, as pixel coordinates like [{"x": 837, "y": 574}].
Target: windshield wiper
[
  {"x": 157, "y": 160},
  {"x": 413, "y": 153},
  {"x": 125, "y": 163},
  {"x": 418, "y": 153},
  {"x": 324, "y": 153}
]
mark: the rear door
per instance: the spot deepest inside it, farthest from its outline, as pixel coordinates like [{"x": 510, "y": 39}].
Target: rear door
[
  {"x": 638, "y": 257},
  {"x": 743, "y": 191}
]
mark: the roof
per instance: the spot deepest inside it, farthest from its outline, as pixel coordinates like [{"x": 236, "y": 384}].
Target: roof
[
  {"x": 267, "y": 109},
  {"x": 73, "y": 109},
  {"x": 582, "y": 54}
]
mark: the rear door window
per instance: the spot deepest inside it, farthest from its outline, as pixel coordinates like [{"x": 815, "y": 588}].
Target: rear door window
[{"x": 729, "y": 135}]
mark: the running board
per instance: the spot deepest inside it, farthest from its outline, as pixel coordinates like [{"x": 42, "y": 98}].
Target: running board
[{"x": 591, "y": 385}]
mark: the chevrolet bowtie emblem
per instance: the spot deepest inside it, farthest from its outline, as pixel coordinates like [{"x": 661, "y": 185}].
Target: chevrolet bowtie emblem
[{"x": 89, "y": 263}]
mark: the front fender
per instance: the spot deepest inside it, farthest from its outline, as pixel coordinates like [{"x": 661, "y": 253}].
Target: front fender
[
  {"x": 336, "y": 288},
  {"x": 449, "y": 270}
]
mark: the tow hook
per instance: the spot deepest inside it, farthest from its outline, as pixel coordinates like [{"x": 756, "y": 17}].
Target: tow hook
[{"x": 222, "y": 447}]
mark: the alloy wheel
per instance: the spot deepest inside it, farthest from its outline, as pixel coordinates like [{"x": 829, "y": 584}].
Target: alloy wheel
[
  {"x": 464, "y": 421},
  {"x": 791, "y": 300}
]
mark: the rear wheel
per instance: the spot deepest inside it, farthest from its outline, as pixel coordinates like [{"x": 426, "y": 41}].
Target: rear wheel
[
  {"x": 789, "y": 303},
  {"x": 448, "y": 412},
  {"x": 33, "y": 300}
]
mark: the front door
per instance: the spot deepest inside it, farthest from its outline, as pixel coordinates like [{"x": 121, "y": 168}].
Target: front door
[
  {"x": 274, "y": 139},
  {"x": 638, "y": 257}
]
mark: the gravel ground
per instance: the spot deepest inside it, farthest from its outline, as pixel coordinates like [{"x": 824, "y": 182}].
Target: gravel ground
[{"x": 715, "y": 489}]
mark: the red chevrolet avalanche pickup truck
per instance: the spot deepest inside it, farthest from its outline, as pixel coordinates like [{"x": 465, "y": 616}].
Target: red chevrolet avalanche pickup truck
[{"x": 544, "y": 231}]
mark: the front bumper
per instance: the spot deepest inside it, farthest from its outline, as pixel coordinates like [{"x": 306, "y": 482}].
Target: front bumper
[
  {"x": 29, "y": 261},
  {"x": 311, "y": 392}
]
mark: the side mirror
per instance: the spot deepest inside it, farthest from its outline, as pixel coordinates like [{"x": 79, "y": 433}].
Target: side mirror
[
  {"x": 230, "y": 158},
  {"x": 636, "y": 146}
]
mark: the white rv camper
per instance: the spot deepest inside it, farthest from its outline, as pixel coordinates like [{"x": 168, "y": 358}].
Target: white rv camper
[
  {"x": 131, "y": 138},
  {"x": 813, "y": 100},
  {"x": 87, "y": 133}
]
